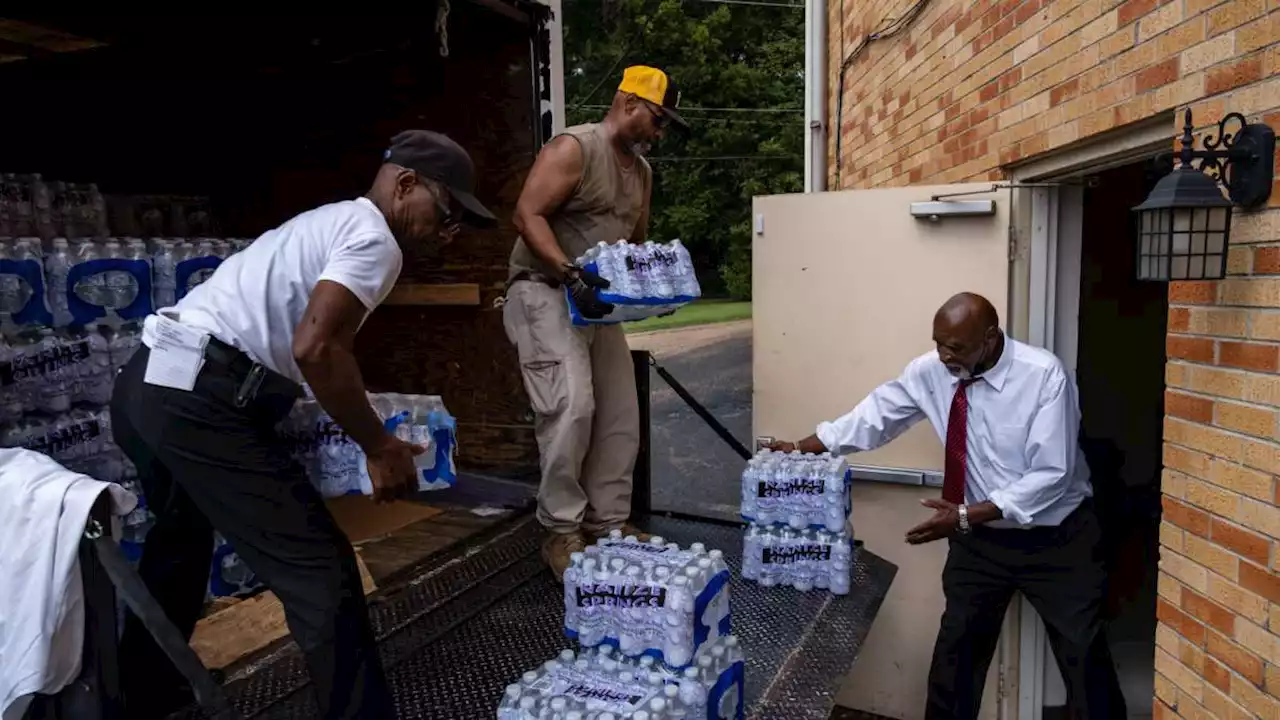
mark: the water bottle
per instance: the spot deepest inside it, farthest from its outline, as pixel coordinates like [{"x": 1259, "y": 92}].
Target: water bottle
[
  {"x": 58, "y": 378},
  {"x": 165, "y": 270},
  {"x": 660, "y": 271},
  {"x": 56, "y": 267},
  {"x": 91, "y": 288},
  {"x": 10, "y": 286},
  {"x": 42, "y": 208},
  {"x": 687, "y": 284},
  {"x": 96, "y": 211}
]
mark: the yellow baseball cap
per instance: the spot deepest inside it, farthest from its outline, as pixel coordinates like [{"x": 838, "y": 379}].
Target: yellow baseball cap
[{"x": 654, "y": 85}]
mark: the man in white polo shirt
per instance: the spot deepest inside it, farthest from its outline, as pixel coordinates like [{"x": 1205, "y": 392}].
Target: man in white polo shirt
[{"x": 196, "y": 411}]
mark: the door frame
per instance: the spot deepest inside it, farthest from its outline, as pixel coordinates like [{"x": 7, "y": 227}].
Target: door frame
[{"x": 1044, "y": 308}]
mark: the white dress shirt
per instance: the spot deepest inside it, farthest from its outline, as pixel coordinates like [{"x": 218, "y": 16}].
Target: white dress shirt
[{"x": 1022, "y": 436}]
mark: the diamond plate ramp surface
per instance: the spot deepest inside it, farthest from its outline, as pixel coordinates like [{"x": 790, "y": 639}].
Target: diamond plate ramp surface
[{"x": 452, "y": 638}]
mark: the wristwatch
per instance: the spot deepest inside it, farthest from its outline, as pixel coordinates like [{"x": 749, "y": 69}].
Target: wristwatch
[{"x": 965, "y": 527}]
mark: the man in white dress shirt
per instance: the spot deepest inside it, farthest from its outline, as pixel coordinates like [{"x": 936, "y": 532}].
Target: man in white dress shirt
[{"x": 1015, "y": 503}]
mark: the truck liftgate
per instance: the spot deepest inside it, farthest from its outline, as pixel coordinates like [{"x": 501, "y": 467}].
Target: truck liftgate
[{"x": 470, "y": 619}]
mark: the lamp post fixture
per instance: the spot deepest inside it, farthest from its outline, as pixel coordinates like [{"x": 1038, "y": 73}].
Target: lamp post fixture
[{"x": 1184, "y": 225}]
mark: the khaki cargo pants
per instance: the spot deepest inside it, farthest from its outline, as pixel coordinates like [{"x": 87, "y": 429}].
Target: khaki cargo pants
[{"x": 582, "y": 387}]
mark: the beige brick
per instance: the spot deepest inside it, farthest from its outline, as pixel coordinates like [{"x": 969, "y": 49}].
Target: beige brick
[
  {"x": 1259, "y": 422},
  {"x": 1213, "y": 498},
  {"x": 1179, "y": 674},
  {"x": 1228, "y": 322},
  {"x": 1243, "y": 480},
  {"x": 1168, "y": 587},
  {"x": 1262, "y": 389},
  {"x": 1221, "y": 383},
  {"x": 1220, "y": 707},
  {"x": 1159, "y": 21},
  {"x": 1208, "y": 54},
  {"x": 1204, "y": 439},
  {"x": 1171, "y": 537},
  {"x": 1262, "y": 455},
  {"x": 1184, "y": 36},
  {"x": 1165, "y": 689},
  {"x": 1167, "y": 639},
  {"x": 1254, "y": 227},
  {"x": 1258, "y": 641},
  {"x": 1231, "y": 595},
  {"x": 1028, "y": 48},
  {"x": 1258, "y": 34},
  {"x": 1273, "y": 679},
  {"x": 1248, "y": 695},
  {"x": 1261, "y": 516},
  {"x": 1177, "y": 375},
  {"x": 1174, "y": 483},
  {"x": 1235, "y": 13},
  {"x": 1239, "y": 261},
  {"x": 1273, "y": 621},
  {"x": 1185, "y": 571},
  {"x": 1264, "y": 325},
  {"x": 1100, "y": 28},
  {"x": 1212, "y": 556}
]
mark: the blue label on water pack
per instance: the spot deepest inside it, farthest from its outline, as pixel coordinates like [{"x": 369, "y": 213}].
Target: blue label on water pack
[
  {"x": 187, "y": 268},
  {"x": 35, "y": 312},
  {"x": 621, "y": 301},
  {"x": 725, "y": 697},
  {"x": 84, "y": 312}
]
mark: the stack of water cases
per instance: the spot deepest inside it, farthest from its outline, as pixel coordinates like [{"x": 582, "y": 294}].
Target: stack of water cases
[
  {"x": 602, "y": 684},
  {"x": 72, "y": 301},
  {"x": 644, "y": 280},
  {"x": 797, "y": 507}
]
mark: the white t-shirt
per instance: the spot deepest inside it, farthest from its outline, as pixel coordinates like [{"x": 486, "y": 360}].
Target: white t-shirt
[{"x": 257, "y": 297}]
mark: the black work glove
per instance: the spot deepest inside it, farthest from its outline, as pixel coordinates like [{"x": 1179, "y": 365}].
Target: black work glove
[{"x": 583, "y": 287}]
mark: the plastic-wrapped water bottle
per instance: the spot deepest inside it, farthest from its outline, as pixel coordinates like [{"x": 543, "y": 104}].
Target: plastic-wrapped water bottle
[
  {"x": 92, "y": 288},
  {"x": 660, "y": 271},
  {"x": 57, "y": 264}
]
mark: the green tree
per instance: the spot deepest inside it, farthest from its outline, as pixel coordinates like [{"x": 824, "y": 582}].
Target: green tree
[{"x": 747, "y": 57}]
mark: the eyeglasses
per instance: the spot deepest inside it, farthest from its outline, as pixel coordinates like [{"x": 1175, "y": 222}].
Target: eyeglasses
[
  {"x": 660, "y": 118},
  {"x": 449, "y": 221}
]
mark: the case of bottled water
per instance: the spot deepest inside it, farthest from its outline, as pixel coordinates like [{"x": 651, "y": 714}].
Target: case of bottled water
[
  {"x": 336, "y": 465},
  {"x": 800, "y": 491},
  {"x": 774, "y": 555},
  {"x": 601, "y": 684},
  {"x": 647, "y": 598},
  {"x": 23, "y": 293},
  {"x": 644, "y": 280},
  {"x": 107, "y": 281}
]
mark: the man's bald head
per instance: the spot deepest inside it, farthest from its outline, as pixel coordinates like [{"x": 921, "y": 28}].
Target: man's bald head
[{"x": 967, "y": 332}]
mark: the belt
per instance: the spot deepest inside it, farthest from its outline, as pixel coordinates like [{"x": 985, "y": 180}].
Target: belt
[
  {"x": 531, "y": 276},
  {"x": 255, "y": 378}
]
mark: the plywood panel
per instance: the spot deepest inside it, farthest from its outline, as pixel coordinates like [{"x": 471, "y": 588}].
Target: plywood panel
[{"x": 844, "y": 292}]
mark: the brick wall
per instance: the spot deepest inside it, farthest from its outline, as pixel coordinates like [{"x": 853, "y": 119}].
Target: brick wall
[{"x": 970, "y": 87}]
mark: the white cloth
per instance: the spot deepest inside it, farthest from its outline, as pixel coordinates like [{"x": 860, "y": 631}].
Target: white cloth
[
  {"x": 1022, "y": 435},
  {"x": 257, "y": 297},
  {"x": 43, "y": 510}
]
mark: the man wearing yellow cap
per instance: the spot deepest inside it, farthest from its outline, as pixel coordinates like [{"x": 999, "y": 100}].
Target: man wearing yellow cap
[{"x": 590, "y": 184}]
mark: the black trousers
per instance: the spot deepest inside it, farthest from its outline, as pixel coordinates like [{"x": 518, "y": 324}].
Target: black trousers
[
  {"x": 1061, "y": 571},
  {"x": 206, "y": 463}
]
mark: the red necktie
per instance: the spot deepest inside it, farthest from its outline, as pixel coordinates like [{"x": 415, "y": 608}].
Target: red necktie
[{"x": 953, "y": 475}]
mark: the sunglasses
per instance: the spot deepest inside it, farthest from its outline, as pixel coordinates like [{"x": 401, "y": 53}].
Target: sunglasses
[
  {"x": 660, "y": 118},
  {"x": 450, "y": 221}
]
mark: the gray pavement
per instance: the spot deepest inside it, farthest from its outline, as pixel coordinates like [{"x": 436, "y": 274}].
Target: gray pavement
[{"x": 694, "y": 471}]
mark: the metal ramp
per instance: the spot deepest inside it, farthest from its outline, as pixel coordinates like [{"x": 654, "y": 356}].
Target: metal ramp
[{"x": 486, "y": 611}]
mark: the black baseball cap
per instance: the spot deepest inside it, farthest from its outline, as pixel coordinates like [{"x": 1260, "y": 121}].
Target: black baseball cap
[{"x": 436, "y": 157}]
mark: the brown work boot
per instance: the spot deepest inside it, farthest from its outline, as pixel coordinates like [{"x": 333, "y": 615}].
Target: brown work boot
[
  {"x": 557, "y": 549},
  {"x": 627, "y": 530}
]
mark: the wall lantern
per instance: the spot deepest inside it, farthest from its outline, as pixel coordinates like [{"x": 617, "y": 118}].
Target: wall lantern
[{"x": 1185, "y": 223}]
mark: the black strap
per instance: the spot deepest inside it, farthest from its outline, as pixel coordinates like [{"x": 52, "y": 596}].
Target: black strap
[
  {"x": 209, "y": 694},
  {"x": 531, "y": 276},
  {"x": 703, "y": 413}
]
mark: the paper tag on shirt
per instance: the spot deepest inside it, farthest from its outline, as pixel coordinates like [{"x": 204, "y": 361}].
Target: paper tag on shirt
[{"x": 177, "y": 352}]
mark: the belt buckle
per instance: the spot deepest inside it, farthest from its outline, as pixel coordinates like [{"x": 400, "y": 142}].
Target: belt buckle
[{"x": 252, "y": 383}]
